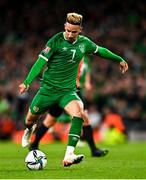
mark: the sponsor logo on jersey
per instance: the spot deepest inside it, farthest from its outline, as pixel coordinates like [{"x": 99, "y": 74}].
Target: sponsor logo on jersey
[
  {"x": 82, "y": 48},
  {"x": 46, "y": 50},
  {"x": 64, "y": 48}
]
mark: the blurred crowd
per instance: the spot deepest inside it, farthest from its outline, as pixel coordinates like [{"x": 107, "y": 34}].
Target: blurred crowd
[{"x": 117, "y": 25}]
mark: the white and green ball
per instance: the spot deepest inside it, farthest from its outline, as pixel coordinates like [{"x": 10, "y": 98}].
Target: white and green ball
[{"x": 36, "y": 160}]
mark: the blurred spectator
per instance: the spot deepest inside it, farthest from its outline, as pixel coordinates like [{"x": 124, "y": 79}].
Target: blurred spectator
[
  {"x": 112, "y": 129},
  {"x": 4, "y": 105},
  {"x": 7, "y": 127}
]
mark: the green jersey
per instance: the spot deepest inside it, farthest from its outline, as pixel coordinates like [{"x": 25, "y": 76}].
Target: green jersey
[
  {"x": 62, "y": 58},
  {"x": 63, "y": 61}
]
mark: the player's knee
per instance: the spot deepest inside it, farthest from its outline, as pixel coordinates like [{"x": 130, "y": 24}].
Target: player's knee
[{"x": 79, "y": 113}]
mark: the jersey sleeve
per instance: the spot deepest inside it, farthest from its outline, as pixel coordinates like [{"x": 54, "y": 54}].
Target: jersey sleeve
[
  {"x": 49, "y": 49},
  {"x": 107, "y": 54},
  {"x": 35, "y": 70},
  {"x": 90, "y": 47}
]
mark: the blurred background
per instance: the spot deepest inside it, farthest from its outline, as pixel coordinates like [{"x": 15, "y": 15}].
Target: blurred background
[{"x": 116, "y": 102}]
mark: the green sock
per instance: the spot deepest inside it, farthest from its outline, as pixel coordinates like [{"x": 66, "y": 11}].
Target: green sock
[{"x": 75, "y": 131}]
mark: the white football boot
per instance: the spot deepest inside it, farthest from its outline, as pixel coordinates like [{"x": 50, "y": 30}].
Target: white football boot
[
  {"x": 27, "y": 135},
  {"x": 72, "y": 159}
]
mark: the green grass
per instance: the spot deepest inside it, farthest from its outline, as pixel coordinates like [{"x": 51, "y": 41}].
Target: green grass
[{"x": 127, "y": 161}]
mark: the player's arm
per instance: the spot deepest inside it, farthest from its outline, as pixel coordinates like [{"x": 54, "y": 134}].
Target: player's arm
[
  {"x": 44, "y": 56},
  {"x": 35, "y": 70},
  {"x": 105, "y": 53},
  {"x": 92, "y": 48}
]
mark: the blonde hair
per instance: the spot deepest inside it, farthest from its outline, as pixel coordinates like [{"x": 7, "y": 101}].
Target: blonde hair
[{"x": 74, "y": 18}]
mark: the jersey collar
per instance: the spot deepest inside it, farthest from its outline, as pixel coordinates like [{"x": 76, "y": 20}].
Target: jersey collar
[{"x": 67, "y": 40}]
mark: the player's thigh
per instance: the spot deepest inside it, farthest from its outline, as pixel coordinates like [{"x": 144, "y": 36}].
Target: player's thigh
[
  {"x": 72, "y": 104},
  {"x": 75, "y": 108}
]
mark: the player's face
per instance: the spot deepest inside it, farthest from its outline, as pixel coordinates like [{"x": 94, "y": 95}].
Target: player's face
[{"x": 72, "y": 31}]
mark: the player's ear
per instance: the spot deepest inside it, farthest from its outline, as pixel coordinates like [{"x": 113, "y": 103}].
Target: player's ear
[{"x": 81, "y": 28}]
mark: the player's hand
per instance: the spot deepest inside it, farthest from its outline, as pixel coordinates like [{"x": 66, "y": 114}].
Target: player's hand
[
  {"x": 123, "y": 67},
  {"x": 23, "y": 88}
]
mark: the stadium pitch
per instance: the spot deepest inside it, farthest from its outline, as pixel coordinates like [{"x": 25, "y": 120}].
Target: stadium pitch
[{"x": 125, "y": 161}]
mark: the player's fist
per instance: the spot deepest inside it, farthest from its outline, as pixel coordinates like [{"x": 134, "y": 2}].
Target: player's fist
[
  {"x": 23, "y": 88},
  {"x": 123, "y": 67}
]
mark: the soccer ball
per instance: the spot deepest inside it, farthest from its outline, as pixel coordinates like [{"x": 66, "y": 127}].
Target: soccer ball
[{"x": 36, "y": 160}]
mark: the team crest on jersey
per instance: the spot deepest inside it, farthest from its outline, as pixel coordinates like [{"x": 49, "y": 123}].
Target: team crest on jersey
[
  {"x": 36, "y": 109},
  {"x": 82, "y": 48},
  {"x": 46, "y": 50}
]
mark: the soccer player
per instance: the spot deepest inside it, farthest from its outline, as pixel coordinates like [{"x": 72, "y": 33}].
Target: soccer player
[
  {"x": 82, "y": 81},
  {"x": 62, "y": 55}
]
